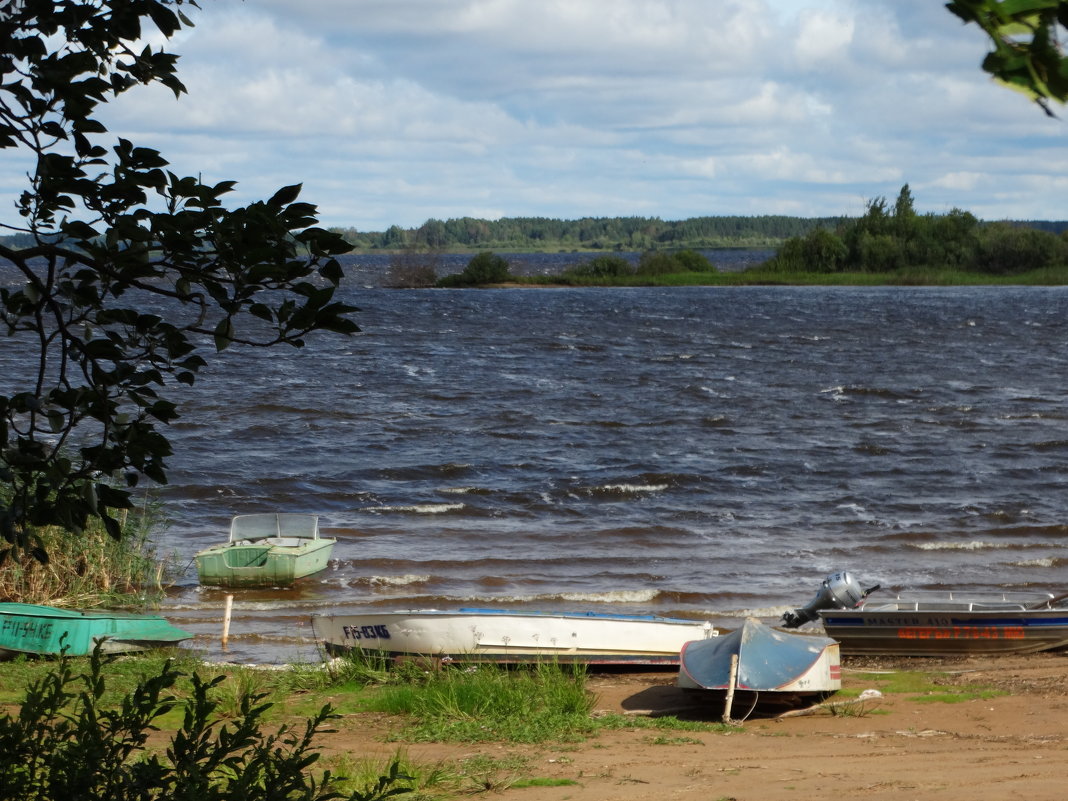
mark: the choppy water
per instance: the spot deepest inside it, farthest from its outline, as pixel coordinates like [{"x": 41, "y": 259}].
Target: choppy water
[{"x": 704, "y": 452}]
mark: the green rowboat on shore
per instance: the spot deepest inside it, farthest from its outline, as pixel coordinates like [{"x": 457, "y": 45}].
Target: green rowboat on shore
[
  {"x": 48, "y": 630},
  {"x": 266, "y": 550}
]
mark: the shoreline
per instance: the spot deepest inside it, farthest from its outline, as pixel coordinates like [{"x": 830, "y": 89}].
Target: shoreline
[{"x": 905, "y": 746}]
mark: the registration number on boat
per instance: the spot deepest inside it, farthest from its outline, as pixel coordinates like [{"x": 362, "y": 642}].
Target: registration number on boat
[
  {"x": 378, "y": 631},
  {"x": 26, "y": 629},
  {"x": 961, "y": 633}
]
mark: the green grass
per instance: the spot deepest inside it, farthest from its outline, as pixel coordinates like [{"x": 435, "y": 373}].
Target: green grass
[
  {"x": 480, "y": 703},
  {"x": 445, "y": 779},
  {"x": 925, "y": 687},
  {"x": 544, "y": 782},
  {"x": 426, "y": 779}
]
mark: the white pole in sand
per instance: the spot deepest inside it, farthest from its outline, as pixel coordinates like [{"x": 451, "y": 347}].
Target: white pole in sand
[
  {"x": 730, "y": 689},
  {"x": 226, "y": 620}
]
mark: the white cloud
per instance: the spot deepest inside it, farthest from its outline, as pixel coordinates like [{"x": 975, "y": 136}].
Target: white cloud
[
  {"x": 392, "y": 111},
  {"x": 823, "y": 40}
]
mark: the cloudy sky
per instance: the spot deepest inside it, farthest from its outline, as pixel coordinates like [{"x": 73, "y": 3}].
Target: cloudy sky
[{"x": 396, "y": 111}]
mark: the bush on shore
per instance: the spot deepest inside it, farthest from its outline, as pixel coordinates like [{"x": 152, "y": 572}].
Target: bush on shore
[{"x": 67, "y": 744}]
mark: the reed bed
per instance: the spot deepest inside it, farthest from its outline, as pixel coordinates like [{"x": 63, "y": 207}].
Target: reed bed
[{"x": 90, "y": 569}]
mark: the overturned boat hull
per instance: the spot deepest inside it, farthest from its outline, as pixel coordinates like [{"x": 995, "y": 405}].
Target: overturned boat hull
[{"x": 762, "y": 669}]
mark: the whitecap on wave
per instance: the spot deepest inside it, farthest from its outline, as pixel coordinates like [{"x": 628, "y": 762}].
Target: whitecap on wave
[
  {"x": 617, "y": 596},
  {"x": 1049, "y": 561},
  {"x": 634, "y": 488},
  {"x": 397, "y": 581},
  {"x": 760, "y": 612},
  {"x": 974, "y": 545},
  {"x": 417, "y": 508}
]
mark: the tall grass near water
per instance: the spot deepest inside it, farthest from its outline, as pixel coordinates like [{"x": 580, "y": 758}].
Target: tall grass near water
[{"x": 90, "y": 569}]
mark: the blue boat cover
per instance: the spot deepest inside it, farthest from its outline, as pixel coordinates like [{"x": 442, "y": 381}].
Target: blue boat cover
[{"x": 767, "y": 658}]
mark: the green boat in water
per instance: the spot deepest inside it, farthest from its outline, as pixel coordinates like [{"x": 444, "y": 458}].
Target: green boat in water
[
  {"x": 266, "y": 550},
  {"x": 47, "y": 630}
]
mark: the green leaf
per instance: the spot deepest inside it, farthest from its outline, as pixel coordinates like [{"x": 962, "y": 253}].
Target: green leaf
[
  {"x": 57, "y": 421},
  {"x": 165, "y": 19},
  {"x": 1017, "y": 8},
  {"x": 224, "y": 334},
  {"x": 285, "y": 195}
]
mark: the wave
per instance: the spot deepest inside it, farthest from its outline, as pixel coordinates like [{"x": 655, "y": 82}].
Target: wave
[
  {"x": 643, "y": 596},
  {"x": 974, "y": 545},
  {"x": 613, "y": 597},
  {"x": 395, "y": 581},
  {"x": 760, "y": 611},
  {"x": 631, "y": 489},
  {"x": 1049, "y": 561},
  {"x": 417, "y": 508},
  {"x": 875, "y": 392},
  {"x": 205, "y": 600}
]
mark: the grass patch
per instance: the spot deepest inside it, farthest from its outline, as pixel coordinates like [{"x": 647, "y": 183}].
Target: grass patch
[
  {"x": 423, "y": 780},
  {"x": 925, "y": 687},
  {"x": 480, "y": 703},
  {"x": 544, "y": 782},
  {"x": 617, "y": 722}
]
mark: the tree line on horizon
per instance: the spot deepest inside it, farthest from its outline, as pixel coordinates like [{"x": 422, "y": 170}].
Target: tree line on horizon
[
  {"x": 588, "y": 233},
  {"x": 634, "y": 234}
]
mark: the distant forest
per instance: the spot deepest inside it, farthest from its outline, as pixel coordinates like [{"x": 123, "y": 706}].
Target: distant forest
[
  {"x": 633, "y": 234},
  {"x": 608, "y": 233},
  {"x": 590, "y": 233}
]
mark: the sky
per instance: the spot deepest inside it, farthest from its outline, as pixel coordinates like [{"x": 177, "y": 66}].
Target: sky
[{"x": 398, "y": 111}]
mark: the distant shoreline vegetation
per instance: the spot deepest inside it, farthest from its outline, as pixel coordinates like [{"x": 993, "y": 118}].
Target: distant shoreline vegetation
[
  {"x": 888, "y": 245},
  {"x": 595, "y": 234}
]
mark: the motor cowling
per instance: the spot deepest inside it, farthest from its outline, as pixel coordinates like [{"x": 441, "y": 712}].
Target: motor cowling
[{"x": 838, "y": 591}]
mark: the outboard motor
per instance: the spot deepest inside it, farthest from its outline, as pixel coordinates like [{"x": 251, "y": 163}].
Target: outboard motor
[{"x": 838, "y": 591}]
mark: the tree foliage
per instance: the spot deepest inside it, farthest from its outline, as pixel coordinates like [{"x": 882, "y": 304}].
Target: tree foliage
[
  {"x": 886, "y": 240},
  {"x": 128, "y": 273},
  {"x": 655, "y": 262},
  {"x": 484, "y": 268},
  {"x": 1028, "y": 54},
  {"x": 593, "y": 233},
  {"x": 67, "y": 743}
]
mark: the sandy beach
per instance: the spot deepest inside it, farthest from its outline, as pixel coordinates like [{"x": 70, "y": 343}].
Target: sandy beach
[{"x": 1011, "y": 746}]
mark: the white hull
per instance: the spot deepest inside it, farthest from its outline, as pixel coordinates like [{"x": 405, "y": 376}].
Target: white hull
[{"x": 506, "y": 636}]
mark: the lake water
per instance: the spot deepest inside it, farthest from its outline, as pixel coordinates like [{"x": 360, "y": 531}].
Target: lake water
[
  {"x": 699, "y": 452},
  {"x": 702, "y": 452}
]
